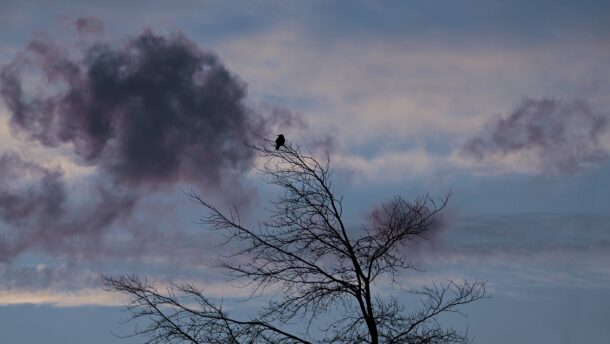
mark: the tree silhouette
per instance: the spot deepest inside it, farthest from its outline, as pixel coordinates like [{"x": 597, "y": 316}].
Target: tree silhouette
[{"x": 306, "y": 254}]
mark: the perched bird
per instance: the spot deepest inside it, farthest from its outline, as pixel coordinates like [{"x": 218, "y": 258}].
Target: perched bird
[{"x": 279, "y": 142}]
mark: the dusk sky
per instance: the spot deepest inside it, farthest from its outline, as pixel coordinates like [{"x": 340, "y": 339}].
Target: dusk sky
[{"x": 503, "y": 104}]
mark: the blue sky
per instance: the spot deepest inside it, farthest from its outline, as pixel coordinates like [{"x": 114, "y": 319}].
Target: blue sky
[{"x": 504, "y": 103}]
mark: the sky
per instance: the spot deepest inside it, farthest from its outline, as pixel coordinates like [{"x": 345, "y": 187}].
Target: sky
[{"x": 505, "y": 104}]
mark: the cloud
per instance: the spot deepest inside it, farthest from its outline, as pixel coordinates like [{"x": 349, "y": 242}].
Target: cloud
[
  {"x": 152, "y": 110},
  {"x": 88, "y": 25},
  {"x": 78, "y": 283},
  {"x": 21, "y": 205},
  {"x": 142, "y": 114},
  {"x": 389, "y": 167},
  {"x": 559, "y": 137},
  {"x": 36, "y": 212},
  {"x": 95, "y": 296},
  {"x": 521, "y": 251},
  {"x": 84, "y": 297},
  {"x": 404, "y": 108},
  {"x": 408, "y": 90}
]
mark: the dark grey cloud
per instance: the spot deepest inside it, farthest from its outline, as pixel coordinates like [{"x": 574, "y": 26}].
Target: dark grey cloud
[
  {"x": 564, "y": 136},
  {"x": 150, "y": 110},
  {"x": 146, "y": 112}
]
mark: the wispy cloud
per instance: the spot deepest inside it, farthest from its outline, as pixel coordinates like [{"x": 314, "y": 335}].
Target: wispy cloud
[
  {"x": 89, "y": 25},
  {"x": 36, "y": 213},
  {"x": 555, "y": 136}
]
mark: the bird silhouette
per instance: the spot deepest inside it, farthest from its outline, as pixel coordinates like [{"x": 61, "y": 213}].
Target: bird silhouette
[{"x": 279, "y": 142}]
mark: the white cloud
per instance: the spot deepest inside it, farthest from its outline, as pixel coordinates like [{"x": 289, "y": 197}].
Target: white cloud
[
  {"x": 401, "y": 87},
  {"x": 410, "y": 92}
]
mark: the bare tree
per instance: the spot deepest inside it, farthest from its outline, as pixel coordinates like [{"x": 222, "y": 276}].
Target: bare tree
[{"x": 306, "y": 254}]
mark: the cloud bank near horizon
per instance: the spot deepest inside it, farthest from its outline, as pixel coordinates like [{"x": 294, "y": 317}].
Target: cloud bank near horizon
[{"x": 515, "y": 253}]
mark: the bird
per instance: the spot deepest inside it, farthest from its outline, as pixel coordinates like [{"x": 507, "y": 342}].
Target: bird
[{"x": 279, "y": 142}]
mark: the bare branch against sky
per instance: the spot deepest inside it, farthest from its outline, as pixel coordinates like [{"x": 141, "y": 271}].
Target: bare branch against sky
[{"x": 312, "y": 263}]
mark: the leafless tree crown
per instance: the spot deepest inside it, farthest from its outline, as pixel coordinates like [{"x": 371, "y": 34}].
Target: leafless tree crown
[{"x": 306, "y": 255}]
